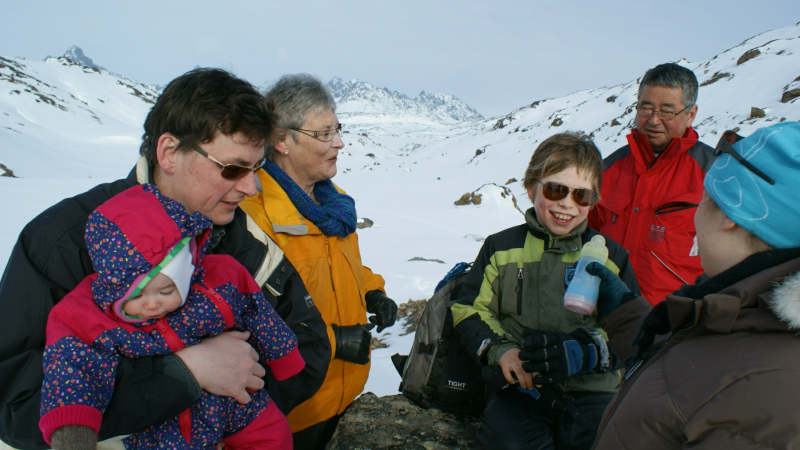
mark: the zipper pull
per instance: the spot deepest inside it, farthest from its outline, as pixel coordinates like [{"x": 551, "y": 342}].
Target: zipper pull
[
  {"x": 613, "y": 218},
  {"x": 519, "y": 277}
]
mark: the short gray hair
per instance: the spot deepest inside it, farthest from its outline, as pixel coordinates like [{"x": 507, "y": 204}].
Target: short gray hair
[
  {"x": 294, "y": 96},
  {"x": 674, "y": 76}
]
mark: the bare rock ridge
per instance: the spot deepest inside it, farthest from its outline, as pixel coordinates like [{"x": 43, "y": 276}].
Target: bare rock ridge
[
  {"x": 76, "y": 55},
  {"x": 393, "y": 422}
]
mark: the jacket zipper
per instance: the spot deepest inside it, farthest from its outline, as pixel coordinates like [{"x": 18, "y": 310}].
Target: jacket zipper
[
  {"x": 312, "y": 331},
  {"x": 667, "y": 267},
  {"x": 330, "y": 263},
  {"x": 613, "y": 218},
  {"x": 519, "y": 291}
]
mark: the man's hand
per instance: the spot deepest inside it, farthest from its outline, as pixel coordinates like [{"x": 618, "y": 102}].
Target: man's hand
[
  {"x": 225, "y": 365},
  {"x": 513, "y": 371},
  {"x": 384, "y": 308}
]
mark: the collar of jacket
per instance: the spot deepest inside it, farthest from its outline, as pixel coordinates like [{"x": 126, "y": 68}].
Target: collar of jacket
[
  {"x": 644, "y": 156},
  {"x": 280, "y": 211},
  {"x": 561, "y": 244},
  {"x": 764, "y": 302}
]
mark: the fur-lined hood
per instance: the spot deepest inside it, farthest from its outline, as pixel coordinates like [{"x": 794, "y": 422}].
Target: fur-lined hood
[{"x": 785, "y": 301}]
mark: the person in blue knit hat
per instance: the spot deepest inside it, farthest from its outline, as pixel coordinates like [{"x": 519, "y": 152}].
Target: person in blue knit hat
[{"x": 715, "y": 365}]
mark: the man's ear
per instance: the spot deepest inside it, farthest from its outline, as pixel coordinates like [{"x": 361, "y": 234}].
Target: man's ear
[
  {"x": 691, "y": 114},
  {"x": 167, "y": 151}
]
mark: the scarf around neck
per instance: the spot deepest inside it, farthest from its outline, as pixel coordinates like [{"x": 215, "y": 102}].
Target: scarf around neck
[{"x": 335, "y": 215}]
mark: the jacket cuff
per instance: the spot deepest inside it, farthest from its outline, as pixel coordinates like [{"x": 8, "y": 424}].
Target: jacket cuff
[
  {"x": 174, "y": 367},
  {"x": 287, "y": 366},
  {"x": 498, "y": 350},
  {"x": 70, "y": 415}
]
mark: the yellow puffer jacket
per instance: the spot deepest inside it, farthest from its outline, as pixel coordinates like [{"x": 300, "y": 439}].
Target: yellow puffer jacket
[{"x": 331, "y": 269}]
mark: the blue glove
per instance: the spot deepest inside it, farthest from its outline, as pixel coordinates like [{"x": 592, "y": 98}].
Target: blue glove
[
  {"x": 556, "y": 356},
  {"x": 612, "y": 290}
]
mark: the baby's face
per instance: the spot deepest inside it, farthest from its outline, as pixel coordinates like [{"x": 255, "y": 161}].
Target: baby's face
[{"x": 158, "y": 298}]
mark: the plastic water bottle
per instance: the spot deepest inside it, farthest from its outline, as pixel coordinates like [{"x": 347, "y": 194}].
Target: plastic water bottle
[{"x": 581, "y": 295}]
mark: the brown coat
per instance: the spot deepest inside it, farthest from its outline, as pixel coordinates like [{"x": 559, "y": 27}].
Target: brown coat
[{"x": 727, "y": 378}]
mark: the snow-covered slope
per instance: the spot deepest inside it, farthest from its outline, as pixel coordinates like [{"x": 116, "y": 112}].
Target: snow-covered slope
[
  {"x": 366, "y": 108},
  {"x": 406, "y": 161}
]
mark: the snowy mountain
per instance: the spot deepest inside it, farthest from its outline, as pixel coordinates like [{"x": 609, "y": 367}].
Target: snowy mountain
[
  {"x": 64, "y": 127},
  {"x": 367, "y": 108},
  {"x": 75, "y": 54}
]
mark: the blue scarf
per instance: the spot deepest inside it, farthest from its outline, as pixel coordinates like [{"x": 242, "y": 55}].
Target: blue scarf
[{"x": 335, "y": 215}]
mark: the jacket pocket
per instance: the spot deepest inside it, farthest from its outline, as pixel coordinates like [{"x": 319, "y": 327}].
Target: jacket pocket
[
  {"x": 613, "y": 211},
  {"x": 671, "y": 229}
]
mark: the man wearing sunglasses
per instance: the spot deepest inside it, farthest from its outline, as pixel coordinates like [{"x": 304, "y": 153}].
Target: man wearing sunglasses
[
  {"x": 652, "y": 186},
  {"x": 203, "y": 140}
]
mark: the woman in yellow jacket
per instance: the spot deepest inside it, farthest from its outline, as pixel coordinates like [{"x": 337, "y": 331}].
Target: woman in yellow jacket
[{"x": 314, "y": 223}]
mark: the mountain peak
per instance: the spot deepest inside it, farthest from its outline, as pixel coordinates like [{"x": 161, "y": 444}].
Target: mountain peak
[{"x": 76, "y": 55}]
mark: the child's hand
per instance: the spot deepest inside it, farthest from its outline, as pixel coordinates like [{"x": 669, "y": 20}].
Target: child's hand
[{"x": 512, "y": 369}]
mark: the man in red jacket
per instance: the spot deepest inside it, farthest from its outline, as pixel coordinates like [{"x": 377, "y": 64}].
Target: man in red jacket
[{"x": 652, "y": 186}]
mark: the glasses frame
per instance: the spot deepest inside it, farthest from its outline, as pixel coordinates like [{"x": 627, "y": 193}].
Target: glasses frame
[
  {"x": 571, "y": 191},
  {"x": 724, "y": 146},
  {"x": 338, "y": 130},
  {"x": 239, "y": 172},
  {"x": 658, "y": 113}
]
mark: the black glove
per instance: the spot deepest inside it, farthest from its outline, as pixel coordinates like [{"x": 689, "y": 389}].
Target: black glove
[
  {"x": 612, "y": 290},
  {"x": 556, "y": 356},
  {"x": 384, "y": 308},
  {"x": 352, "y": 342}
]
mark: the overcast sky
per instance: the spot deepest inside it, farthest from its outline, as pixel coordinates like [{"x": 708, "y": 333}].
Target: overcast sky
[{"x": 495, "y": 56}]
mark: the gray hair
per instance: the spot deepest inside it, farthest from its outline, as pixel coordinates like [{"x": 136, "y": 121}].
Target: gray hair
[
  {"x": 293, "y": 97},
  {"x": 673, "y": 76}
]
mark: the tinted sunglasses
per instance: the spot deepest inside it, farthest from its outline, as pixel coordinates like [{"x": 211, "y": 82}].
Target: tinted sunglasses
[
  {"x": 557, "y": 191},
  {"x": 725, "y": 146},
  {"x": 231, "y": 171}
]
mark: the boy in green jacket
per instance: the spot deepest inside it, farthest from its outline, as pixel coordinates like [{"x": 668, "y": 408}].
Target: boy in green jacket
[{"x": 510, "y": 311}]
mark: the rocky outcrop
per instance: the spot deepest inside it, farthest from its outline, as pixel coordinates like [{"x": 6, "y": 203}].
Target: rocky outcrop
[
  {"x": 6, "y": 172},
  {"x": 757, "y": 113},
  {"x": 393, "y": 422},
  {"x": 469, "y": 198},
  {"x": 747, "y": 56},
  {"x": 364, "y": 223}
]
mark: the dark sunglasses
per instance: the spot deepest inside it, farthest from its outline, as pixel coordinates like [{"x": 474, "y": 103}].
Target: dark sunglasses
[
  {"x": 231, "y": 172},
  {"x": 725, "y": 146},
  {"x": 557, "y": 191}
]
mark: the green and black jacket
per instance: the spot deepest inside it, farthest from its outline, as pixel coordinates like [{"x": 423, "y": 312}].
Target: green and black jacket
[{"x": 518, "y": 281}]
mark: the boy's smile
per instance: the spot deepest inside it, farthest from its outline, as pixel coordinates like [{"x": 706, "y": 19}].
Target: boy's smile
[{"x": 560, "y": 217}]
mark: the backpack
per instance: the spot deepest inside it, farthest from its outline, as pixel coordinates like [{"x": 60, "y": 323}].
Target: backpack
[{"x": 438, "y": 372}]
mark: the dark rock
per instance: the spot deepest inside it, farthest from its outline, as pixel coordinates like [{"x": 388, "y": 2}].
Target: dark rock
[
  {"x": 615, "y": 123},
  {"x": 511, "y": 180},
  {"x": 370, "y": 155},
  {"x": 611, "y": 99},
  {"x": 419, "y": 258},
  {"x": 364, "y": 223},
  {"x": 757, "y": 113},
  {"x": 747, "y": 56},
  {"x": 479, "y": 151},
  {"x": 557, "y": 122},
  {"x": 464, "y": 200},
  {"x": 790, "y": 95},
  {"x": 716, "y": 77},
  {"x": 393, "y": 422},
  {"x": 411, "y": 312},
  {"x": 7, "y": 172},
  {"x": 476, "y": 199}
]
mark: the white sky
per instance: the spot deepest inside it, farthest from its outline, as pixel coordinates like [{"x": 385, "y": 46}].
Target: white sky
[{"x": 495, "y": 56}]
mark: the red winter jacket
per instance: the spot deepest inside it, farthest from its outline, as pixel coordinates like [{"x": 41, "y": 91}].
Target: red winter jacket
[{"x": 648, "y": 206}]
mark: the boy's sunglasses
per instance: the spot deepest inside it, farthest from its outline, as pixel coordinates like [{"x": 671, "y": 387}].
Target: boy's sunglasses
[
  {"x": 231, "y": 172},
  {"x": 725, "y": 146},
  {"x": 557, "y": 191}
]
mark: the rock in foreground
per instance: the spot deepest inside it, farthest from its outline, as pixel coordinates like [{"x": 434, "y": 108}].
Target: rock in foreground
[{"x": 393, "y": 422}]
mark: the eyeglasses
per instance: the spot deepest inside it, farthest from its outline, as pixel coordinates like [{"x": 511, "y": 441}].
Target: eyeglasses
[
  {"x": 231, "y": 171},
  {"x": 724, "y": 146},
  {"x": 557, "y": 191},
  {"x": 324, "y": 135},
  {"x": 645, "y": 112}
]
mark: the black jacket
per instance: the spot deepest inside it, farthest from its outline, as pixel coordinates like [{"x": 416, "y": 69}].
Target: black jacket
[{"x": 50, "y": 259}]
